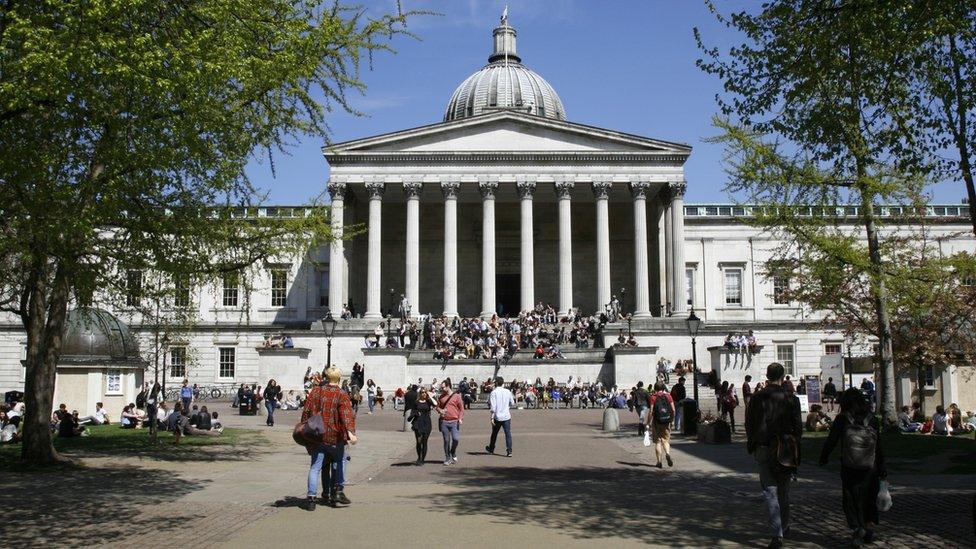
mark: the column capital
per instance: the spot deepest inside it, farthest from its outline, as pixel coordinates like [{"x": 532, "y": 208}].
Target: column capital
[
  {"x": 450, "y": 189},
  {"x": 638, "y": 189},
  {"x": 526, "y": 189},
  {"x": 488, "y": 189},
  {"x": 412, "y": 189},
  {"x": 564, "y": 189},
  {"x": 601, "y": 189},
  {"x": 677, "y": 189},
  {"x": 337, "y": 189},
  {"x": 375, "y": 189}
]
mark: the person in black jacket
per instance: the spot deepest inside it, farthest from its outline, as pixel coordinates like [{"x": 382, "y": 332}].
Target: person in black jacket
[
  {"x": 773, "y": 423},
  {"x": 409, "y": 403},
  {"x": 860, "y": 482},
  {"x": 272, "y": 395}
]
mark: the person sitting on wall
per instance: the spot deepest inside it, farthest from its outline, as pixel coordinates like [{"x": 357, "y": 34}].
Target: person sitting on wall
[
  {"x": 730, "y": 342},
  {"x": 287, "y": 343},
  {"x": 751, "y": 343}
]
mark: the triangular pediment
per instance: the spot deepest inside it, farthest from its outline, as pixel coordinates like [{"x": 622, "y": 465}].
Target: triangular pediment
[{"x": 506, "y": 132}]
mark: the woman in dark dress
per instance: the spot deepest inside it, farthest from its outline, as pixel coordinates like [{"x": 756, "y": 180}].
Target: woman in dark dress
[{"x": 420, "y": 423}]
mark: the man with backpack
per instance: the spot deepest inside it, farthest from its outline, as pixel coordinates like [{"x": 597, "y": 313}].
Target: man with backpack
[
  {"x": 773, "y": 430},
  {"x": 862, "y": 463},
  {"x": 659, "y": 422}
]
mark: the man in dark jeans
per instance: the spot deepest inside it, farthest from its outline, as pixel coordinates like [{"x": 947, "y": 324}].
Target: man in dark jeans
[
  {"x": 640, "y": 406},
  {"x": 773, "y": 416}
]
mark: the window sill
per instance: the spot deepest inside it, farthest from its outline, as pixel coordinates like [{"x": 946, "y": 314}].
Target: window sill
[{"x": 277, "y": 309}]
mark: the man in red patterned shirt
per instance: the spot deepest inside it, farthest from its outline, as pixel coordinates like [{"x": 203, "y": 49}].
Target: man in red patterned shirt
[{"x": 332, "y": 403}]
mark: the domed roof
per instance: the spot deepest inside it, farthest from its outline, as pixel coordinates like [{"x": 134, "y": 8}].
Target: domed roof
[
  {"x": 97, "y": 335},
  {"x": 504, "y": 83}
]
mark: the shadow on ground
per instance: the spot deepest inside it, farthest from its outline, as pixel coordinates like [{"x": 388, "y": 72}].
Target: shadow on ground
[{"x": 88, "y": 507}]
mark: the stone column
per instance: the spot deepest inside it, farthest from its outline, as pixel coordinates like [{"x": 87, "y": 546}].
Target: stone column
[
  {"x": 488, "y": 190},
  {"x": 526, "y": 190},
  {"x": 374, "y": 295},
  {"x": 642, "y": 304},
  {"x": 601, "y": 192},
  {"x": 668, "y": 255},
  {"x": 680, "y": 298},
  {"x": 412, "y": 190},
  {"x": 450, "y": 191},
  {"x": 336, "y": 249},
  {"x": 564, "y": 192}
]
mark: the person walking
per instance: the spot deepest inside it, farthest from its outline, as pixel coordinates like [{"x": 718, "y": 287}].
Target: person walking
[
  {"x": 830, "y": 394},
  {"x": 640, "y": 398},
  {"x": 272, "y": 397},
  {"x": 339, "y": 427},
  {"x": 678, "y": 394},
  {"x": 500, "y": 403},
  {"x": 862, "y": 463},
  {"x": 451, "y": 410},
  {"x": 409, "y": 402},
  {"x": 370, "y": 396},
  {"x": 420, "y": 423},
  {"x": 659, "y": 422},
  {"x": 773, "y": 431},
  {"x": 728, "y": 403},
  {"x": 746, "y": 391}
]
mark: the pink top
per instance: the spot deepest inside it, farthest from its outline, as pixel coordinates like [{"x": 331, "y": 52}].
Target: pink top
[{"x": 452, "y": 409}]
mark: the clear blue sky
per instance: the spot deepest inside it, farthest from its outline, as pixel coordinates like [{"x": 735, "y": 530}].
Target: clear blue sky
[{"x": 622, "y": 65}]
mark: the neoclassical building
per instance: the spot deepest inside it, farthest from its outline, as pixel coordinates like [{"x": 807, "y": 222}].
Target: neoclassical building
[{"x": 503, "y": 204}]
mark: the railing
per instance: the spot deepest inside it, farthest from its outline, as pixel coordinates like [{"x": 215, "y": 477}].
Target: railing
[{"x": 937, "y": 211}]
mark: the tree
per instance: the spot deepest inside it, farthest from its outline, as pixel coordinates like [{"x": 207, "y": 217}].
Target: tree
[
  {"x": 126, "y": 127},
  {"x": 943, "y": 53},
  {"x": 820, "y": 104}
]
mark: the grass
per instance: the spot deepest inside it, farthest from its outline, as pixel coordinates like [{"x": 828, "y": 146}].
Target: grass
[
  {"x": 908, "y": 453},
  {"x": 112, "y": 440}
]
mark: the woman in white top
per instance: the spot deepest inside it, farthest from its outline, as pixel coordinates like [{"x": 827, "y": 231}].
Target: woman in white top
[{"x": 370, "y": 395}]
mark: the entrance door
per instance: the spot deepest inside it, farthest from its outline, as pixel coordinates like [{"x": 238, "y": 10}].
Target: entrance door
[{"x": 508, "y": 292}]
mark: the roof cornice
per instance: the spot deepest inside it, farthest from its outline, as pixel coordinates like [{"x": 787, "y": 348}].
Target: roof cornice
[{"x": 662, "y": 158}]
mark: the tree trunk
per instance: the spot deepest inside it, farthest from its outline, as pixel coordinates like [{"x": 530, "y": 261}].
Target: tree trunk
[
  {"x": 962, "y": 130},
  {"x": 889, "y": 413},
  {"x": 45, "y": 322}
]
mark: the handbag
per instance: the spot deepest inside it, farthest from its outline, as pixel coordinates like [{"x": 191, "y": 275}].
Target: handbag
[
  {"x": 647, "y": 438},
  {"x": 309, "y": 432},
  {"x": 786, "y": 450}
]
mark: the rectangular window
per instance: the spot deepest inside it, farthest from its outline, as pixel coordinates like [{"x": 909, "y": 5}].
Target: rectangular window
[
  {"x": 279, "y": 287},
  {"x": 113, "y": 382},
  {"x": 133, "y": 287},
  {"x": 733, "y": 286},
  {"x": 231, "y": 289},
  {"x": 833, "y": 348},
  {"x": 177, "y": 362},
  {"x": 323, "y": 288},
  {"x": 690, "y": 286},
  {"x": 227, "y": 362},
  {"x": 181, "y": 291},
  {"x": 784, "y": 355},
  {"x": 781, "y": 289}
]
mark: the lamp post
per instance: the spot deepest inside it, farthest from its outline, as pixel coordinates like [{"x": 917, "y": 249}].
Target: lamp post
[
  {"x": 390, "y": 310},
  {"x": 849, "y": 341},
  {"x": 623, "y": 298},
  {"x": 694, "y": 324},
  {"x": 328, "y": 326},
  {"x": 630, "y": 320},
  {"x": 165, "y": 342}
]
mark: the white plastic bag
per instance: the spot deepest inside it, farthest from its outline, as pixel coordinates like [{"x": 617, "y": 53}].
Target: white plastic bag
[
  {"x": 647, "y": 438},
  {"x": 884, "y": 497}
]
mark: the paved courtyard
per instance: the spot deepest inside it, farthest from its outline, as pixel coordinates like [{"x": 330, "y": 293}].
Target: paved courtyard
[{"x": 567, "y": 484}]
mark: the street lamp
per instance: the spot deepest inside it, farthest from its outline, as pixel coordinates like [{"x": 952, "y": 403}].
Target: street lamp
[
  {"x": 165, "y": 342},
  {"x": 694, "y": 324},
  {"x": 623, "y": 299},
  {"x": 849, "y": 341},
  {"x": 630, "y": 330},
  {"x": 392, "y": 291},
  {"x": 328, "y": 326}
]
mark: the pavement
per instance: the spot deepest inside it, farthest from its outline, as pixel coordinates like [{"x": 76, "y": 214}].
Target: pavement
[{"x": 568, "y": 483}]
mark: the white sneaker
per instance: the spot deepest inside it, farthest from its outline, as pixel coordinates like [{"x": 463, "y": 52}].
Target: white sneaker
[
  {"x": 447, "y": 462},
  {"x": 454, "y": 459}
]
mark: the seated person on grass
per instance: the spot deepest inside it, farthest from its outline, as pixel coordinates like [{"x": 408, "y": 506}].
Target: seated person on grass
[
  {"x": 817, "y": 420},
  {"x": 131, "y": 419},
  {"x": 100, "y": 417},
  {"x": 905, "y": 422},
  {"x": 68, "y": 427},
  {"x": 8, "y": 430}
]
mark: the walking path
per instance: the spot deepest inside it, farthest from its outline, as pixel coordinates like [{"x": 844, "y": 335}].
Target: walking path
[{"x": 567, "y": 483}]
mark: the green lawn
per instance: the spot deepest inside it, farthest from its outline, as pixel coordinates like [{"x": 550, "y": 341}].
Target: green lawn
[
  {"x": 109, "y": 440},
  {"x": 908, "y": 453}
]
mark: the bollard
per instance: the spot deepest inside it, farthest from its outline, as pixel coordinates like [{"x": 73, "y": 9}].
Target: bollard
[{"x": 611, "y": 420}]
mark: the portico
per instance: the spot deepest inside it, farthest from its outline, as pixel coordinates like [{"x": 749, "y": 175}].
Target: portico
[{"x": 571, "y": 227}]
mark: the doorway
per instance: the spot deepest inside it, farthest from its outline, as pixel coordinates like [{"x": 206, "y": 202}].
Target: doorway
[{"x": 508, "y": 293}]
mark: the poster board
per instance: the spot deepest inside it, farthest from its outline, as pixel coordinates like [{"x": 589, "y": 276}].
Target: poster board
[
  {"x": 813, "y": 389},
  {"x": 804, "y": 403},
  {"x": 832, "y": 366}
]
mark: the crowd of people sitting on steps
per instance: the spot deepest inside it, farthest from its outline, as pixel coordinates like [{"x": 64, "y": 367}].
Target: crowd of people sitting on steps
[{"x": 540, "y": 332}]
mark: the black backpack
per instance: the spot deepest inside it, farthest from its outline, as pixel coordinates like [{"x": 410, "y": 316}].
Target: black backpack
[
  {"x": 662, "y": 410},
  {"x": 859, "y": 444}
]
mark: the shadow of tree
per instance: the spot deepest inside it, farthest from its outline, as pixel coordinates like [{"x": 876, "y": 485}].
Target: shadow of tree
[
  {"x": 88, "y": 507},
  {"x": 593, "y": 502}
]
